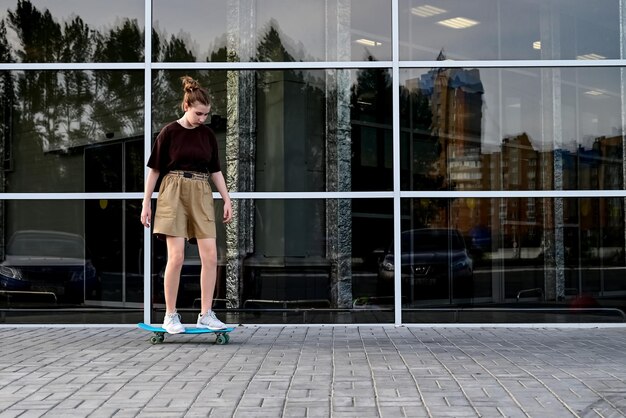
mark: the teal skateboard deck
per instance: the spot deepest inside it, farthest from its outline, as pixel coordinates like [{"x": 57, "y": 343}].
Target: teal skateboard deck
[{"x": 221, "y": 335}]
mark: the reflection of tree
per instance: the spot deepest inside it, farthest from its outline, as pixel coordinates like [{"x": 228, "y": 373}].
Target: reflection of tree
[
  {"x": 65, "y": 108},
  {"x": 424, "y": 150},
  {"x": 370, "y": 103},
  {"x": 7, "y": 98},
  {"x": 166, "y": 85},
  {"x": 371, "y": 96}
]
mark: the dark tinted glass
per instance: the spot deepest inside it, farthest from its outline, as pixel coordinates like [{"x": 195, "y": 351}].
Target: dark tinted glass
[
  {"x": 509, "y": 29},
  {"x": 272, "y": 30},
  {"x": 300, "y": 131},
  {"x": 511, "y": 129},
  {"x": 293, "y": 261},
  {"x": 519, "y": 260},
  {"x": 71, "y": 261},
  {"x": 72, "y": 131},
  {"x": 71, "y": 31}
]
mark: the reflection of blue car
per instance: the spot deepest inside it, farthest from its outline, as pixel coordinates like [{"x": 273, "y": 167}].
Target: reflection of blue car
[
  {"x": 49, "y": 261},
  {"x": 481, "y": 238},
  {"x": 11, "y": 279},
  {"x": 430, "y": 257}
]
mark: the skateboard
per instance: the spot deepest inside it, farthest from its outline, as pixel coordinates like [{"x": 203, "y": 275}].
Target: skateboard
[{"x": 221, "y": 335}]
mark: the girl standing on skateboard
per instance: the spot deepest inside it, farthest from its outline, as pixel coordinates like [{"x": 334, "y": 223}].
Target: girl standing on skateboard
[{"x": 185, "y": 152}]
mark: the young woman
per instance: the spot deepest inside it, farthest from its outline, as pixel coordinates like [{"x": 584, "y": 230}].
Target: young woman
[{"x": 185, "y": 151}]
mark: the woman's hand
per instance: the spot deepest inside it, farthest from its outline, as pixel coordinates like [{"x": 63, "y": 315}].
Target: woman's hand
[
  {"x": 146, "y": 216},
  {"x": 228, "y": 212}
]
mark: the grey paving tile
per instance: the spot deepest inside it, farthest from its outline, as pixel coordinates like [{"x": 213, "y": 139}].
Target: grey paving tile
[{"x": 313, "y": 372}]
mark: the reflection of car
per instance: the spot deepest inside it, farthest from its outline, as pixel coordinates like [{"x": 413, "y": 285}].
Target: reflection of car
[
  {"x": 429, "y": 258},
  {"x": 49, "y": 261},
  {"x": 481, "y": 238}
]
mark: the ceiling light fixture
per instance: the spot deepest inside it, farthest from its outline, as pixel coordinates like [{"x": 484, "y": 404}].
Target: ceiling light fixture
[
  {"x": 594, "y": 93},
  {"x": 458, "y": 23},
  {"x": 590, "y": 57},
  {"x": 368, "y": 42},
  {"x": 427, "y": 11},
  {"x": 537, "y": 45}
]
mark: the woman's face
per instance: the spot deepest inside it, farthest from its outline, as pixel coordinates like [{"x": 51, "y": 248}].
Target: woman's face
[{"x": 197, "y": 113}]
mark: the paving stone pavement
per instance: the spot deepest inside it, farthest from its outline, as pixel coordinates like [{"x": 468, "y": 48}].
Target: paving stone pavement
[{"x": 365, "y": 371}]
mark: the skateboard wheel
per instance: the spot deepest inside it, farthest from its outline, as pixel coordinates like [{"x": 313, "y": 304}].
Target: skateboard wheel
[
  {"x": 221, "y": 339},
  {"x": 157, "y": 338}
]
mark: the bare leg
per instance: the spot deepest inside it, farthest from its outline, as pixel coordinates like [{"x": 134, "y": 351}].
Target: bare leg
[
  {"x": 207, "y": 248},
  {"x": 175, "y": 258}
]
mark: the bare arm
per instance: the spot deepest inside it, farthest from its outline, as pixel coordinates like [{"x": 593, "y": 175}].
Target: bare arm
[
  {"x": 146, "y": 211},
  {"x": 220, "y": 184}
]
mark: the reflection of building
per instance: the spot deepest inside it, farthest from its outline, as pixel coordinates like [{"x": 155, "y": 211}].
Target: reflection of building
[
  {"x": 515, "y": 167},
  {"x": 456, "y": 102}
]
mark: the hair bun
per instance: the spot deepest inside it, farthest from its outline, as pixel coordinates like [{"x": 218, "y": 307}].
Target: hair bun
[{"x": 189, "y": 84}]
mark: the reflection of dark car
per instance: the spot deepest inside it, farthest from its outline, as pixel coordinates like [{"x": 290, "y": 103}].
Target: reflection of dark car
[
  {"x": 481, "y": 238},
  {"x": 430, "y": 257},
  {"x": 49, "y": 261}
]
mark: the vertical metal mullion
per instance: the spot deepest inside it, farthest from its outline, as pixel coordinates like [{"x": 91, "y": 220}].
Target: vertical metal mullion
[
  {"x": 147, "y": 135},
  {"x": 622, "y": 55},
  {"x": 397, "y": 224}
]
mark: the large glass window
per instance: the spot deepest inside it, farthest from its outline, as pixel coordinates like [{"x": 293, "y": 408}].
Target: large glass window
[
  {"x": 71, "y": 131},
  {"x": 293, "y": 261},
  {"x": 71, "y": 261},
  {"x": 509, "y": 180},
  {"x": 294, "y": 131},
  {"x": 71, "y": 31},
  {"x": 272, "y": 30},
  {"x": 509, "y": 29},
  {"x": 512, "y": 260},
  {"x": 511, "y": 129}
]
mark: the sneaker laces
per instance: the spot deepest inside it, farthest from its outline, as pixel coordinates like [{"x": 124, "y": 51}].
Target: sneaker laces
[{"x": 172, "y": 316}]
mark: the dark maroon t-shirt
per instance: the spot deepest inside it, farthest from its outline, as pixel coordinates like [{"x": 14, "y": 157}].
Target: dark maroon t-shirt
[{"x": 178, "y": 148}]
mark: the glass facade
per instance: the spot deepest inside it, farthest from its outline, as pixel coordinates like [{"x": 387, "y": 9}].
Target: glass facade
[{"x": 390, "y": 162}]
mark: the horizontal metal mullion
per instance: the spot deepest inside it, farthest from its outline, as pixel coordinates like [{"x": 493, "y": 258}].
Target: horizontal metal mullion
[
  {"x": 515, "y": 193},
  {"x": 73, "y": 66},
  {"x": 233, "y": 195},
  {"x": 312, "y": 65},
  {"x": 336, "y": 195},
  {"x": 513, "y": 63},
  {"x": 322, "y": 65},
  {"x": 70, "y": 196}
]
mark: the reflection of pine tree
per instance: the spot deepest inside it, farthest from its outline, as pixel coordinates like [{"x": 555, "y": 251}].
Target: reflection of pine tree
[
  {"x": 271, "y": 48},
  {"x": 76, "y": 85},
  {"x": 63, "y": 108},
  {"x": 7, "y": 98},
  {"x": 41, "y": 41},
  {"x": 166, "y": 87},
  {"x": 423, "y": 151},
  {"x": 119, "y": 94},
  {"x": 371, "y": 95}
]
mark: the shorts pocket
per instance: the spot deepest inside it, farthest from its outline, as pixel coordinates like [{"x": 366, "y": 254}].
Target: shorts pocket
[{"x": 167, "y": 201}]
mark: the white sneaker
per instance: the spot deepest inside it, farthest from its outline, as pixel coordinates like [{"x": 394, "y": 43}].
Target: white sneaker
[
  {"x": 210, "y": 321},
  {"x": 172, "y": 324}
]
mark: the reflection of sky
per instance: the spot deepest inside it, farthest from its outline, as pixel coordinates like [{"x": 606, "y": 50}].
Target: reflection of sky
[
  {"x": 97, "y": 14},
  {"x": 303, "y": 25}
]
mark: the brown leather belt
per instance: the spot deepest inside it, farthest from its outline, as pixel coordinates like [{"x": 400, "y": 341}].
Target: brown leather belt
[{"x": 195, "y": 175}]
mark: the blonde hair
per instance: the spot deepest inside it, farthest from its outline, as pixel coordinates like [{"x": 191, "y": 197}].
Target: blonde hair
[{"x": 194, "y": 92}]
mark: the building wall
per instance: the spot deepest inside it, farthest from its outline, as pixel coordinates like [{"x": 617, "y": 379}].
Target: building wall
[{"x": 477, "y": 163}]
